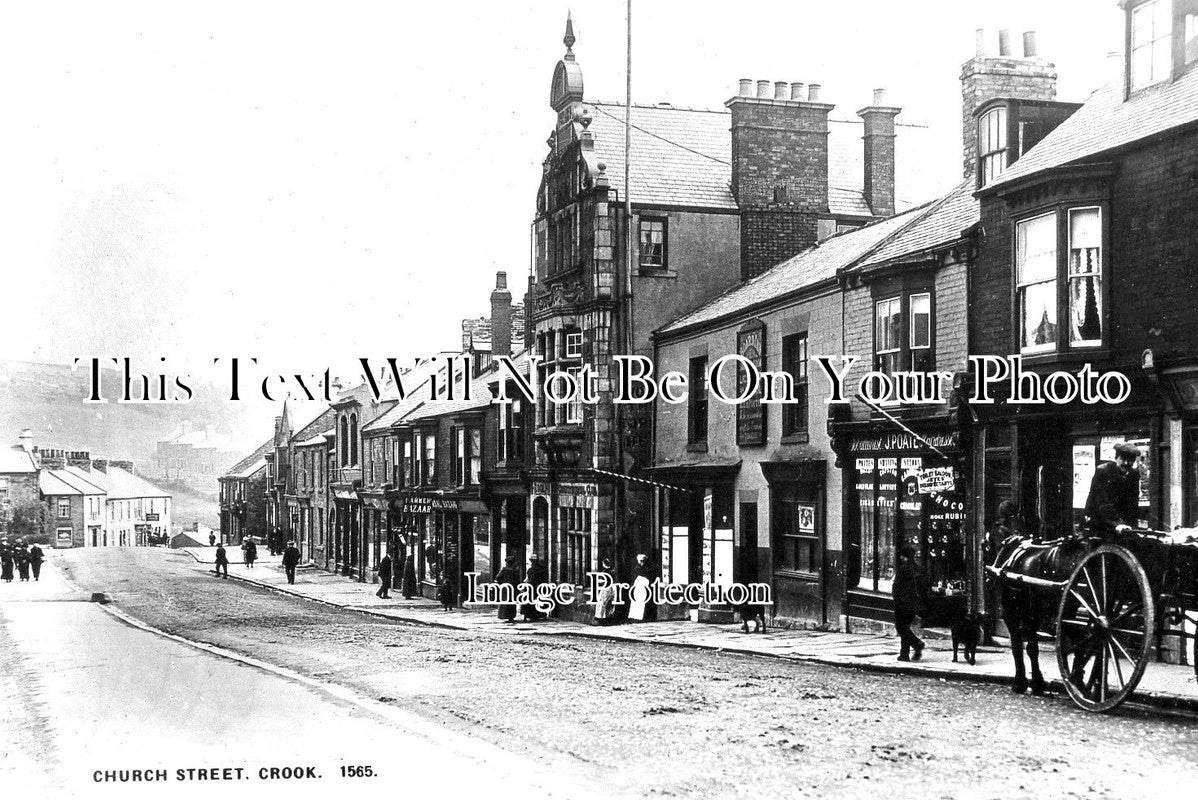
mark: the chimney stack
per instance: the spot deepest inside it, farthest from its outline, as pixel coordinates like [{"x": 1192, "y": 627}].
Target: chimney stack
[
  {"x": 878, "y": 142},
  {"x": 501, "y": 317},
  {"x": 987, "y": 77},
  {"x": 779, "y": 170}
]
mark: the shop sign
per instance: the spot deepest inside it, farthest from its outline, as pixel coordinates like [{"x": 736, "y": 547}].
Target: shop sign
[
  {"x": 750, "y": 415},
  {"x": 63, "y": 537},
  {"x": 806, "y": 518},
  {"x": 901, "y": 440},
  {"x": 425, "y": 505},
  {"x": 540, "y": 487},
  {"x": 151, "y": 517},
  {"x": 936, "y": 479}
]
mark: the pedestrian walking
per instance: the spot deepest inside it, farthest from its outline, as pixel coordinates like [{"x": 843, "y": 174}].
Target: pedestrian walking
[
  {"x": 211, "y": 539},
  {"x": 909, "y": 601},
  {"x": 509, "y": 576},
  {"x": 384, "y": 571},
  {"x": 21, "y": 556},
  {"x": 222, "y": 561},
  {"x": 537, "y": 575},
  {"x": 36, "y": 556},
  {"x": 291, "y": 557},
  {"x": 605, "y": 602},
  {"x": 250, "y": 552},
  {"x": 448, "y": 594},
  {"x": 6, "y": 561}
]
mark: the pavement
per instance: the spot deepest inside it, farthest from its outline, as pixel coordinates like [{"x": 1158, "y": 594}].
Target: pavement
[{"x": 1163, "y": 685}]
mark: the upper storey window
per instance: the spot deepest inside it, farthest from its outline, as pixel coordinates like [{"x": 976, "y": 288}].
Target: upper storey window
[
  {"x": 992, "y": 144},
  {"x": 653, "y": 243},
  {"x": 1151, "y": 43}
]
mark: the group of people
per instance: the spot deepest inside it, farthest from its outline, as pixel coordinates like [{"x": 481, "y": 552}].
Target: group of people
[
  {"x": 399, "y": 573},
  {"x": 25, "y": 558},
  {"x": 249, "y": 554}
]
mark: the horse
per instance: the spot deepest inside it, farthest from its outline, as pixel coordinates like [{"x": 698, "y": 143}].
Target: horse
[{"x": 1023, "y": 568}]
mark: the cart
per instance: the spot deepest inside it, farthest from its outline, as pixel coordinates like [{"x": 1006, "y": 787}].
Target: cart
[{"x": 1118, "y": 597}]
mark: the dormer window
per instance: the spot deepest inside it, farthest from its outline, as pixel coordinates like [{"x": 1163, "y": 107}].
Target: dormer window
[
  {"x": 992, "y": 144},
  {"x": 1151, "y": 43}
]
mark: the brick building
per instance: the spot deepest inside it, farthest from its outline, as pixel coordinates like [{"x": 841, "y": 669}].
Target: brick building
[
  {"x": 1088, "y": 258},
  {"x": 243, "y": 497}
]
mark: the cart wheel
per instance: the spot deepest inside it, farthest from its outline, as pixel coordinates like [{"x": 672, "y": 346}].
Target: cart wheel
[{"x": 1104, "y": 628}]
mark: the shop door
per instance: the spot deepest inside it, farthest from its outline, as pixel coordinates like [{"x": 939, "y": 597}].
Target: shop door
[
  {"x": 748, "y": 569},
  {"x": 466, "y": 548}
]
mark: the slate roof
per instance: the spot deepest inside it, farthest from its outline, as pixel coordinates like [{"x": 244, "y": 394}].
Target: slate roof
[
  {"x": 119, "y": 484},
  {"x": 811, "y": 266},
  {"x": 683, "y": 157},
  {"x": 80, "y": 484},
  {"x": 941, "y": 225},
  {"x": 240, "y": 466},
  {"x": 249, "y": 469},
  {"x": 50, "y": 483},
  {"x": 15, "y": 459},
  {"x": 1106, "y": 121}
]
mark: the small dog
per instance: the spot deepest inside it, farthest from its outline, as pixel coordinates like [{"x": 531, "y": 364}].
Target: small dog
[
  {"x": 967, "y": 633},
  {"x": 747, "y": 612}
]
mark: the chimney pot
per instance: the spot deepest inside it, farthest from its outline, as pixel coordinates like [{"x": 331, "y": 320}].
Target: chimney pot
[
  {"x": 879, "y": 97},
  {"x": 779, "y": 90},
  {"x": 980, "y": 47},
  {"x": 1004, "y": 42},
  {"x": 501, "y": 280},
  {"x": 796, "y": 91},
  {"x": 1029, "y": 44},
  {"x": 763, "y": 89},
  {"x": 746, "y": 87},
  {"x": 813, "y": 93}
]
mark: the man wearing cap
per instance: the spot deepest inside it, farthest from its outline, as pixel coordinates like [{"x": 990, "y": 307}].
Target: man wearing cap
[
  {"x": 291, "y": 557},
  {"x": 1114, "y": 502}
]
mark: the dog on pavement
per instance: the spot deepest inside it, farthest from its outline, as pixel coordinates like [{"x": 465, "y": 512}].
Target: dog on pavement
[
  {"x": 754, "y": 612},
  {"x": 967, "y": 634}
]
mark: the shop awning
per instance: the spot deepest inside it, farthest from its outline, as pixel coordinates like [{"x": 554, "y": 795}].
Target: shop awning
[
  {"x": 705, "y": 471},
  {"x": 640, "y": 480}
]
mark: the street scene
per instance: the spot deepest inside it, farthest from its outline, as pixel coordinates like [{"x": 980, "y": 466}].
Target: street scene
[{"x": 510, "y": 400}]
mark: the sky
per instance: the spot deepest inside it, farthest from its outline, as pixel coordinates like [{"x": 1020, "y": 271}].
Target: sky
[{"x": 311, "y": 183}]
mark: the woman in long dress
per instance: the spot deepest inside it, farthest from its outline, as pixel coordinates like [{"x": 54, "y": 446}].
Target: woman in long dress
[
  {"x": 640, "y": 605},
  {"x": 6, "y": 562}
]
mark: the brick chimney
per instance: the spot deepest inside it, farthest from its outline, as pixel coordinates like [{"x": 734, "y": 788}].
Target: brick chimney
[
  {"x": 100, "y": 464},
  {"x": 501, "y": 317},
  {"x": 879, "y": 154},
  {"x": 779, "y": 170},
  {"x": 987, "y": 77},
  {"x": 80, "y": 458}
]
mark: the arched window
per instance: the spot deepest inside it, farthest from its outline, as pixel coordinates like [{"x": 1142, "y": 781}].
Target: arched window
[
  {"x": 353, "y": 440},
  {"x": 344, "y": 442}
]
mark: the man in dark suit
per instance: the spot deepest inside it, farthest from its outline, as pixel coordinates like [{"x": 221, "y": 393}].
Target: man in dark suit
[
  {"x": 384, "y": 571},
  {"x": 222, "y": 561},
  {"x": 291, "y": 556},
  {"x": 1114, "y": 502}
]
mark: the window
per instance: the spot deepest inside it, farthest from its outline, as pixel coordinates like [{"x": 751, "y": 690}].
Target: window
[
  {"x": 407, "y": 462},
  {"x": 574, "y": 406},
  {"x": 428, "y": 467},
  {"x": 1050, "y": 285},
  {"x": 1151, "y": 43},
  {"x": 1085, "y": 277},
  {"x": 797, "y": 539},
  {"x": 888, "y": 327},
  {"x": 575, "y": 550},
  {"x": 794, "y": 363},
  {"x": 1036, "y": 276},
  {"x": 3, "y": 490},
  {"x": 344, "y": 442},
  {"x": 653, "y": 243},
  {"x": 574, "y": 344},
  {"x": 992, "y": 144},
  {"x": 353, "y": 440},
  {"x": 697, "y": 418},
  {"x": 64, "y": 508},
  {"x": 511, "y": 446},
  {"x": 920, "y": 321},
  {"x": 467, "y": 456}
]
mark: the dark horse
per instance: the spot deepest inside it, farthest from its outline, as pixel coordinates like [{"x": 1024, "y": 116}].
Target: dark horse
[{"x": 1028, "y": 603}]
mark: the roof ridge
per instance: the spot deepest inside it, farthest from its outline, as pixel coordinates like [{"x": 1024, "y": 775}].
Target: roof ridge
[{"x": 928, "y": 209}]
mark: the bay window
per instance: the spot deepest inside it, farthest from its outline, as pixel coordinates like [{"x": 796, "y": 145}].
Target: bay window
[{"x": 1052, "y": 284}]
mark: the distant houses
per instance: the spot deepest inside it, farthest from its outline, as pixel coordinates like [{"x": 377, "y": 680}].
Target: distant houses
[{"x": 66, "y": 498}]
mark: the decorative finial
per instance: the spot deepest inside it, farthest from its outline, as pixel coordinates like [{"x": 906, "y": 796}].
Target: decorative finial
[{"x": 568, "y": 40}]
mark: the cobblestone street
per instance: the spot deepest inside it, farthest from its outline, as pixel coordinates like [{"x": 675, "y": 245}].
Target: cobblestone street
[{"x": 667, "y": 721}]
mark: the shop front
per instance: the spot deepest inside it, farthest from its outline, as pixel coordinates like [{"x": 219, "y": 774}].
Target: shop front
[
  {"x": 446, "y": 535},
  {"x": 906, "y": 489},
  {"x": 801, "y": 563}
]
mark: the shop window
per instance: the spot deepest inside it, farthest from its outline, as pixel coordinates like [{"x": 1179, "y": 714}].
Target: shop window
[
  {"x": 798, "y": 541},
  {"x": 1151, "y": 43},
  {"x": 794, "y": 363},
  {"x": 697, "y": 402},
  {"x": 653, "y": 244},
  {"x": 575, "y": 540},
  {"x": 1042, "y": 276},
  {"x": 992, "y": 144}
]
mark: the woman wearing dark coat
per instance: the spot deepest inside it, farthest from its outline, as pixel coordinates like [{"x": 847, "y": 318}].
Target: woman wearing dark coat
[
  {"x": 251, "y": 552},
  {"x": 908, "y": 602},
  {"x": 448, "y": 595},
  {"x": 6, "y": 562},
  {"x": 509, "y": 576},
  {"x": 538, "y": 574},
  {"x": 409, "y": 575}
]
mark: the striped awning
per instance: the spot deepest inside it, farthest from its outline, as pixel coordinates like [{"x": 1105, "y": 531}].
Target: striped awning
[{"x": 641, "y": 480}]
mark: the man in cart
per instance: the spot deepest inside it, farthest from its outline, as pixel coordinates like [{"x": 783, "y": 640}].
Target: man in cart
[{"x": 1114, "y": 502}]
